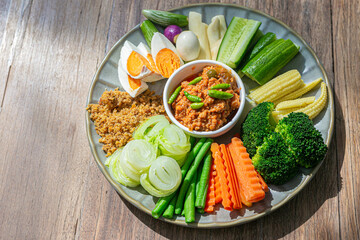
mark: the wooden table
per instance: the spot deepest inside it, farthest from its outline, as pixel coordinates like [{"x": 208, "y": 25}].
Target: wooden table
[{"x": 50, "y": 185}]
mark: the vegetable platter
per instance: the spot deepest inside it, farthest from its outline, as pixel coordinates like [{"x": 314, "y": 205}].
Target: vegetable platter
[{"x": 305, "y": 62}]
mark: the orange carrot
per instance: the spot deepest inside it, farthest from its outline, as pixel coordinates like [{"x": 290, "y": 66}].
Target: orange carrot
[
  {"x": 262, "y": 182},
  {"x": 250, "y": 187},
  {"x": 217, "y": 184},
  {"x": 210, "y": 198},
  {"x": 231, "y": 175},
  {"x": 221, "y": 173}
]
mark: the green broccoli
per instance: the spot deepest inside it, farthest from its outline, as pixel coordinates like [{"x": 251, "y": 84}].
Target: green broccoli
[
  {"x": 274, "y": 161},
  {"x": 257, "y": 125},
  {"x": 304, "y": 140}
]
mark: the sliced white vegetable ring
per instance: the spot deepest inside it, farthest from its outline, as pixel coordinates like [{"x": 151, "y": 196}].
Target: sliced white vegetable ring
[{"x": 164, "y": 177}]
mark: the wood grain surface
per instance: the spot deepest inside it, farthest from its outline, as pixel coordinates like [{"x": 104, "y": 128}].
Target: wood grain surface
[{"x": 50, "y": 186}]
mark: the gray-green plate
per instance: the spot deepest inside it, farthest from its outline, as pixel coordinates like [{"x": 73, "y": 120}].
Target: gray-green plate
[{"x": 305, "y": 62}]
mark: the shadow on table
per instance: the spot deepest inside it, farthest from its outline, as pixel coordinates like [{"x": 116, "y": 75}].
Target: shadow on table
[{"x": 326, "y": 184}]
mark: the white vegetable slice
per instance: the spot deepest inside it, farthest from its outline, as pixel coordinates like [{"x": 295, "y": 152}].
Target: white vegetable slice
[
  {"x": 222, "y": 24},
  {"x": 215, "y": 33},
  {"x": 200, "y": 29}
]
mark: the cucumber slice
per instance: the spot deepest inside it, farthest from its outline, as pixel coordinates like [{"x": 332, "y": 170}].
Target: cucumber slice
[
  {"x": 242, "y": 45},
  {"x": 148, "y": 29},
  {"x": 165, "y": 18},
  {"x": 236, "y": 40},
  {"x": 258, "y": 35},
  {"x": 262, "y": 43},
  {"x": 270, "y": 60}
]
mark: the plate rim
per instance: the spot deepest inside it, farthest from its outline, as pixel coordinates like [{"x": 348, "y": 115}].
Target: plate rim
[{"x": 239, "y": 221}]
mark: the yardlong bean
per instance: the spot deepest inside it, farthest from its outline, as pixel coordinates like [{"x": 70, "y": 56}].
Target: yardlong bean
[
  {"x": 204, "y": 178},
  {"x": 189, "y": 207},
  {"x": 190, "y": 174}
]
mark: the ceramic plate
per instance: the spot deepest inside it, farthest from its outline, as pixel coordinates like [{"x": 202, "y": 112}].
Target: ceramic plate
[{"x": 305, "y": 62}]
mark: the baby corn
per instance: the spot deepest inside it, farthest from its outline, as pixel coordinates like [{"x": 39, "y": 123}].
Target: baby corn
[
  {"x": 300, "y": 102},
  {"x": 279, "y": 114},
  {"x": 313, "y": 109},
  {"x": 299, "y": 92},
  {"x": 278, "y": 87}
]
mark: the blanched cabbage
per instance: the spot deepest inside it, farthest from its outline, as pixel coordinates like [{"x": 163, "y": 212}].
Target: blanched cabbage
[
  {"x": 151, "y": 127},
  {"x": 164, "y": 177},
  {"x": 173, "y": 142},
  {"x": 127, "y": 164},
  {"x": 170, "y": 139},
  {"x": 116, "y": 172},
  {"x": 136, "y": 158}
]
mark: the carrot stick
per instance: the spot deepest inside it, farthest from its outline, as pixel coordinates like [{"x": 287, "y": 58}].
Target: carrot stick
[
  {"x": 217, "y": 184},
  {"x": 249, "y": 182},
  {"x": 221, "y": 172},
  {"x": 262, "y": 182},
  {"x": 210, "y": 198},
  {"x": 231, "y": 175}
]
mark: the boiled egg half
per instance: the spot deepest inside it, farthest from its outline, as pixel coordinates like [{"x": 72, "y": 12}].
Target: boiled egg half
[
  {"x": 132, "y": 86},
  {"x": 165, "y": 55},
  {"x": 133, "y": 62}
]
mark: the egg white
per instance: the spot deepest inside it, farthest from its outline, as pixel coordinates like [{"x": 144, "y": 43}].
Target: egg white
[{"x": 123, "y": 78}]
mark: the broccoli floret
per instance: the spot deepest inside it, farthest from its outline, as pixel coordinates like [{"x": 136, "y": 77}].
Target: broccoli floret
[
  {"x": 257, "y": 125},
  {"x": 274, "y": 160},
  {"x": 304, "y": 140}
]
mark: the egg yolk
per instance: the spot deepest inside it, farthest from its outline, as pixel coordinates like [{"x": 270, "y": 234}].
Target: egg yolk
[
  {"x": 167, "y": 62},
  {"x": 152, "y": 63},
  {"x": 136, "y": 62},
  {"x": 134, "y": 83}
]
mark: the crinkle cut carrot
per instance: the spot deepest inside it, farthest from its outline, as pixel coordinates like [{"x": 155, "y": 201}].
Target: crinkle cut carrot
[
  {"x": 231, "y": 175},
  {"x": 249, "y": 182},
  {"x": 210, "y": 197},
  {"x": 217, "y": 184},
  {"x": 262, "y": 182},
  {"x": 222, "y": 175}
]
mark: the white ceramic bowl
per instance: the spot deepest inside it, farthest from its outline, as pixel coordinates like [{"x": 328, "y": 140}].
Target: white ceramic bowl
[{"x": 190, "y": 69}]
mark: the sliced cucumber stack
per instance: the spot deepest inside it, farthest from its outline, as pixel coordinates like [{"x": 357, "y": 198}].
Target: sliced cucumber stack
[
  {"x": 260, "y": 42},
  {"x": 236, "y": 40},
  {"x": 270, "y": 60}
]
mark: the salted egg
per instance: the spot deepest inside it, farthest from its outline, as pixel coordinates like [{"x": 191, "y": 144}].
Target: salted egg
[
  {"x": 132, "y": 86},
  {"x": 133, "y": 62},
  {"x": 155, "y": 75},
  {"x": 165, "y": 55}
]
